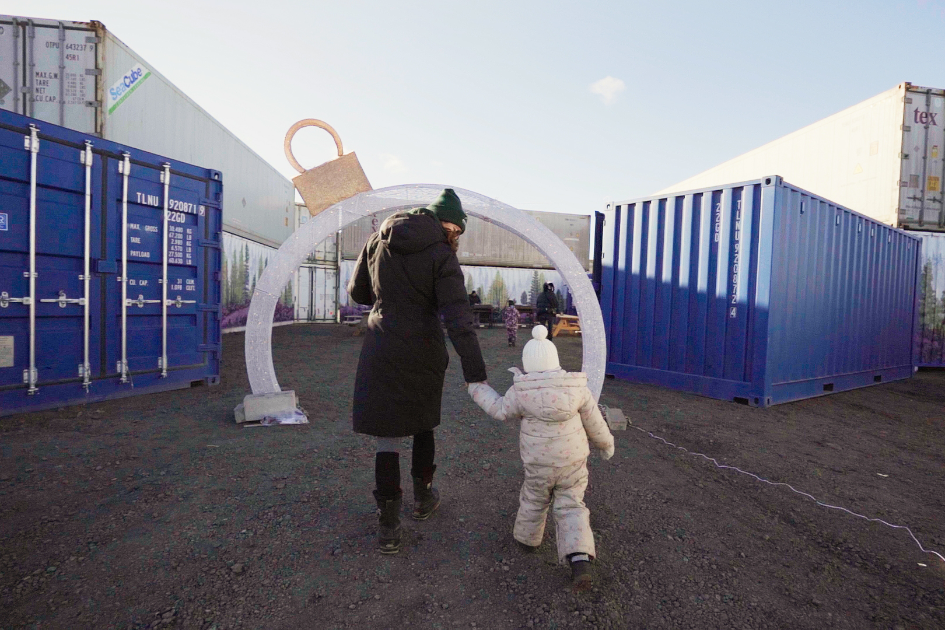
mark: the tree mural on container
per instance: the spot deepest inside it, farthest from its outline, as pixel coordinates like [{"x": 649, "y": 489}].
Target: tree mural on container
[
  {"x": 497, "y": 293},
  {"x": 225, "y": 283},
  {"x": 469, "y": 283},
  {"x": 535, "y": 289},
  {"x": 523, "y": 299}
]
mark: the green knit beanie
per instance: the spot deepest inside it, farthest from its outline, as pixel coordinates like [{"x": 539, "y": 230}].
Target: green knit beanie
[{"x": 449, "y": 208}]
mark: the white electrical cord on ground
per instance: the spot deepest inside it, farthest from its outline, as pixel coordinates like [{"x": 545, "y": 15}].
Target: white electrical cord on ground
[{"x": 803, "y": 494}]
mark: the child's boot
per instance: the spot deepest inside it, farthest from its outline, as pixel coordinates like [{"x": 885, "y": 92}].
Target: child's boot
[
  {"x": 388, "y": 527},
  {"x": 582, "y": 576},
  {"x": 426, "y": 498}
]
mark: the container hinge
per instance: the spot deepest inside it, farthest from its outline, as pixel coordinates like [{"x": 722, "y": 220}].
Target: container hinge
[
  {"x": 140, "y": 302},
  {"x": 30, "y": 376},
  {"x": 180, "y": 302},
  {"x": 93, "y": 72},
  {"x": 206, "y": 242},
  {"x": 62, "y": 300},
  {"x": 122, "y": 368},
  {"x": 92, "y": 39},
  {"x": 206, "y": 308},
  {"x": 6, "y": 300},
  {"x": 95, "y": 104},
  {"x": 208, "y": 347}
]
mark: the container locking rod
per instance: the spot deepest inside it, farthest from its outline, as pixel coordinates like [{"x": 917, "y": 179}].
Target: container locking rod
[
  {"x": 166, "y": 178},
  {"x": 31, "y": 376},
  {"x": 124, "y": 167}
]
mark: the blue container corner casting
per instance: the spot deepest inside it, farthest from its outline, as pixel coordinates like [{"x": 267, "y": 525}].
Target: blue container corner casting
[
  {"x": 756, "y": 292},
  {"x": 109, "y": 269}
]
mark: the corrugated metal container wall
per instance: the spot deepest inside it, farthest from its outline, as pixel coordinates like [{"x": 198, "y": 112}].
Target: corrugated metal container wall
[
  {"x": 325, "y": 252},
  {"x": 81, "y": 76},
  {"x": 158, "y": 117},
  {"x": 882, "y": 157},
  {"x": 489, "y": 245},
  {"x": 757, "y": 292},
  {"x": 930, "y": 334},
  {"x": 69, "y": 332}
]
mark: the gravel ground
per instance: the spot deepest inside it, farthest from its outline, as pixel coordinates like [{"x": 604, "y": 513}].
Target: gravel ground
[{"x": 160, "y": 512}]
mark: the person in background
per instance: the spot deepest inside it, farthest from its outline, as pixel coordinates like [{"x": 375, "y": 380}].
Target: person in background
[
  {"x": 559, "y": 417},
  {"x": 511, "y": 317},
  {"x": 409, "y": 272},
  {"x": 474, "y": 298},
  {"x": 546, "y": 308}
]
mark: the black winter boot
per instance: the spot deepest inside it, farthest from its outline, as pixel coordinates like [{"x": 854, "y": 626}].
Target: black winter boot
[
  {"x": 388, "y": 526},
  {"x": 426, "y": 498},
  {"x": 582, "y": 576}
]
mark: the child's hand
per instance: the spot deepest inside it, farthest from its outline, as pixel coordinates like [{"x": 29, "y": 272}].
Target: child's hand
[{"x": 608, "y": 452}]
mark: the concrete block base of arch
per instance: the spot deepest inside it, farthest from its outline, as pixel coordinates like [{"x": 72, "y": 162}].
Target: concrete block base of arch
[{"x": 257, "y": 407}]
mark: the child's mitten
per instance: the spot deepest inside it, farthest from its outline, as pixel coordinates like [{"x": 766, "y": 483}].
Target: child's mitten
[{"x": 608, "y": 452}]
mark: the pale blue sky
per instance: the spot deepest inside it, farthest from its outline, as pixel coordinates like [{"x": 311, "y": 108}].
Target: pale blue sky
[{"x": 496, "y": 97}]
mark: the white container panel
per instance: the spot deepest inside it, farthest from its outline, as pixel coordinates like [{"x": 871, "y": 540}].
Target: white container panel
[
  {"x": 324, "y": 292},
  {"x": 851, "y": 158},
  {"x": 303, "y": 300},
  {"x": 923, "y": 169},
  {"x": 489, "y": 245},
  {"x": 158, "y": 117},
  {"x": 56, "y": 63}
]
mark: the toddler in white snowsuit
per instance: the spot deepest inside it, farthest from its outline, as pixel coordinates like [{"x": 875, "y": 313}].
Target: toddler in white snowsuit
[{"x": 559, "y": 415}]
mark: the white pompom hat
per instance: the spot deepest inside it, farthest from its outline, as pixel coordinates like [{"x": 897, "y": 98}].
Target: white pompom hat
[{"x": 540, "y": 355}]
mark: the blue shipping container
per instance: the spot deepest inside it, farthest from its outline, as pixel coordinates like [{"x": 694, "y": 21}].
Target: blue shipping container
[
  {"x": 757, "y": 292},
  {"x": 109, "y": 269}
]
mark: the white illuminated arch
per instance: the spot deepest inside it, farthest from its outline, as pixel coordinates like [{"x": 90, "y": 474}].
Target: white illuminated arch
[{"x": 297, "y": 248}]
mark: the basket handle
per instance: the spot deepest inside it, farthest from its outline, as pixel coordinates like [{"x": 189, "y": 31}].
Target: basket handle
[{"x": 308, "y": 122}]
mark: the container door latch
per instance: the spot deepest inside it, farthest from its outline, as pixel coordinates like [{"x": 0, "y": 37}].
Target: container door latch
[
  {"x": 63, "y": 300},
  {"x": 6, "y": 300}
]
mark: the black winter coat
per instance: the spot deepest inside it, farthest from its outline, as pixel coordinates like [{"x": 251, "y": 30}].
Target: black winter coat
[
  {"x": 408, "y": 271},
  {"x": 547, "y": 303}
]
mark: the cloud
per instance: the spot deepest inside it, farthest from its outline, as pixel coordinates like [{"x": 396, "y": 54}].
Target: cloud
[
  {"x": 393, "y": 164},
  {"x": 608, "y": 88}
]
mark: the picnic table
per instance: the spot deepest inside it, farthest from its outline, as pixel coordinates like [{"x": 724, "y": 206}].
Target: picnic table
[
  {"x": 527, "y": 312},
  {"x": 481, "y": 311},
  {"x": 566, "y": 323}
]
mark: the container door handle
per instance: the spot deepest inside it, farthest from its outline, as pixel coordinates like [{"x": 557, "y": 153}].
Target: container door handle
[
  {"x": 140, "y": 302},
  {"x": 6, "y": 300},
  {"x": 179, "y": 302},
  {"x": 63, "y": 300}
]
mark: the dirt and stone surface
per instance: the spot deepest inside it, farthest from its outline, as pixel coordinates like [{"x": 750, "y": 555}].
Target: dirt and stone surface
[{"x": 159, "y": 511}]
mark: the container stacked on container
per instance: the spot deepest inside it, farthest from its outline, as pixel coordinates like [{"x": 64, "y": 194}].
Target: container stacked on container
[
  {"x": 109, "y": 269},
  {"x": 757, "y": 292},
  {"x": 885, "y": 158}
]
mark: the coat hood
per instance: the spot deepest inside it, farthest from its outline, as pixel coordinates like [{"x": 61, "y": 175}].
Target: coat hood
[
  {"x": 552, "y": 396},
  {"x": 409, "y": 233}
]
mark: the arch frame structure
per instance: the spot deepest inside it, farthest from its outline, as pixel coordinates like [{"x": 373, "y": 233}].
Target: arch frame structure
[{"x": 297, "y": 248}]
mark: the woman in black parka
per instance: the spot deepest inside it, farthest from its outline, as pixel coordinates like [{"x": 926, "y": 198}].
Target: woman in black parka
[{"x": 409, "y": 271}]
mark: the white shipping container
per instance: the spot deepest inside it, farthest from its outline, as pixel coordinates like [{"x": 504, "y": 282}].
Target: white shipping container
[
  {"x": 485, "y": 244},
  {"x": 79, "y": 75},
  {"x": 882, "y": 158}
]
